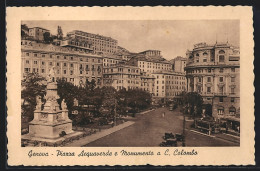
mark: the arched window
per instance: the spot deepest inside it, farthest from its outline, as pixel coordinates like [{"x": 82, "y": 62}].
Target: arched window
[
  {"x": 232, "y": 110},
  {"x": 221, "y": 52},
  {"x": 197, "y": 54},
  {"x": 205, "y": 54}
]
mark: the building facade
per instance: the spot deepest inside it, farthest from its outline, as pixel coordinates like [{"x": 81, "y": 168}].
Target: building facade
[
  {"x": 168, "y": 85},
  {"x": 111, "y": 60},
  {"x": 122, "y": 76},
  {"x": 37, "y": 33},
  {"x": 214, "y": 72},
  {"x": 73, "y": 66},
  {"x": 179, "y": 63},
  {"x": 150, "y": 61},
  {"x": 100, "y": 44},
  {"x": 84, "y": 56}
]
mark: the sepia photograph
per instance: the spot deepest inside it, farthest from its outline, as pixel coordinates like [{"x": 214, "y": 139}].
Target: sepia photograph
[
  {"x": 134, "y": 83},
  {"x": 124, "y": 86}
]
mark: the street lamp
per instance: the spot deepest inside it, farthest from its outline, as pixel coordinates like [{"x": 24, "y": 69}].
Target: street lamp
[{"x": 183, "y": 131}]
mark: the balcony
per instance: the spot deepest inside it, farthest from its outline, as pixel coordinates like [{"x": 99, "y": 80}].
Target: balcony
[
  {"x": 220, "y": 94},
  {"x": 207, "y": 94},
  {"x": 221, "y": 84}
]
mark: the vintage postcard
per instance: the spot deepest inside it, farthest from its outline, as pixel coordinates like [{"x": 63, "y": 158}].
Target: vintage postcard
[{"x": 96, "y": 86}]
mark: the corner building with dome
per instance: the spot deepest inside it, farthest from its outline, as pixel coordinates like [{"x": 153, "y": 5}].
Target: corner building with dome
[{"x": 213, "y": 71}]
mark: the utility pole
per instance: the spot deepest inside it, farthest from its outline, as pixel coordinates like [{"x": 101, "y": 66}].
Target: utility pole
[{"x": 183, "y": 133}]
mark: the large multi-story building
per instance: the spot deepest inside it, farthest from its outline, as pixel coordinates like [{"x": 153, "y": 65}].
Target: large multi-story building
[
  {"x": 213, "y": 71},
  {"x": 74, "y": 66},
  {"x": 99, "y": 44},
  {"x": 168, "y": 85},
  {"x": 111, "y": 60},
  {"x": 37, "y": 33},
  {"x": 179, "y": 63},
  {"x": 147, "y": 83},
  {"x": 129, "y": 77},
  {"x": 122, "y": 76},
  {"x": 84, "y": 56},
  {"x": 150, "y": 61}
]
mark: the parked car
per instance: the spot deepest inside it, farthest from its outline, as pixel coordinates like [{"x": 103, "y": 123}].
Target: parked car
[
  {"x": 171, "y": 139},
  {"x": 171, "y": 142}
]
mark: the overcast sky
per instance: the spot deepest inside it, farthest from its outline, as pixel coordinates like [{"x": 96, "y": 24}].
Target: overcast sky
[{"x": 172, "y": 37}]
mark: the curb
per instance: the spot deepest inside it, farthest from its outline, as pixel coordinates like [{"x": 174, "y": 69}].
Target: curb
[
  {"x": 146, "y": 112},
  {"x": 237, "y": 140},
  {"x": 212, "y": 136},
  {"x": 88, "y": 139}
]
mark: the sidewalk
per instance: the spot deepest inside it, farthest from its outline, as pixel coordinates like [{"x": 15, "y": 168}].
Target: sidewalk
[
  {"x": 223, "y": 136},
  {"x": 146, "y": 111},
  {"x": 228, "y": 137},
  {"x": 88, "y": 139}
]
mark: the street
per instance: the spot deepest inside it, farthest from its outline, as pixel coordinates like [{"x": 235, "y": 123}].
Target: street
[{"x": 149, "y": 129}]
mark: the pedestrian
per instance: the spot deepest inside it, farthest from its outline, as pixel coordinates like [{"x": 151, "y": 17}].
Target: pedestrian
[{"x": 163, "y": 114}]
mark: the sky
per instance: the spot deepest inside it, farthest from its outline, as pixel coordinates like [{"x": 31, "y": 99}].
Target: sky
[{"x": 171, "y": 37}]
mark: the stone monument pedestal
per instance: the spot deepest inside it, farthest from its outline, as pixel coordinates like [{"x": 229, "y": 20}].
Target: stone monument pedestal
[
  {"x": 46, "y": 130},
  {"x": 51, "y": 124}
]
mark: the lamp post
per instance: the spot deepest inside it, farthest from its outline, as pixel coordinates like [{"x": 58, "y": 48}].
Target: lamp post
[
  {"x": 115, "y": 112},
  {"x": 183, "y": 129}
]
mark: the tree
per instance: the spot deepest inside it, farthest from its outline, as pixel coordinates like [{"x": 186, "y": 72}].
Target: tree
[
  {"x": 192, "y": 104},
  {"x": 108, "y": 103},
  {"x": 24, "y": 28},
  {"x": 136, "y": 99},
  {"x": 59, "y": 33},
  {"x": 32, "y": 86},
  {"x": 67, "y": 91},
  {"x": 47, "y": 37}
]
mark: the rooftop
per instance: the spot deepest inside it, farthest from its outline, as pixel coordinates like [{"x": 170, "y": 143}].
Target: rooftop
[
  {"x": 39, "y": 28},
  {"x": 91, "y": 34}
]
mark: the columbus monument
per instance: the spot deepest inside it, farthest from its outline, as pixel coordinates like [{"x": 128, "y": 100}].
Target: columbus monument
[{"x": 51, "y": 122}]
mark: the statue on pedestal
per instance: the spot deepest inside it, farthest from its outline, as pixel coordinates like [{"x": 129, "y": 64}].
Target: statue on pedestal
[
  {"x": 51, "y": 75},
  {"x": 39, "y": 103},
  {"x": 63, "y": 105}
]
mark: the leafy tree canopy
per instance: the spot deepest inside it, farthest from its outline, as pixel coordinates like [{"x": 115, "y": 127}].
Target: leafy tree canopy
[
  {"x": 192, "y": 103},
  {"x": 33, "y": 85}
]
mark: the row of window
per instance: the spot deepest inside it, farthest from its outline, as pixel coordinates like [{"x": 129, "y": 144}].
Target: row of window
[
  {"x": 171, "y": 77},
  {"x": 172, "y": 93},
  {"x": 58, "y": 64},
  {"x": 232, "y": 99},
  {"x": 155, "y": 67},
  {"x": 221, "y": 79},
  {"x": 231, "y": 110},
  {"x": 221, "y": 58},
  {"x": 121, "y": 70},
  {"x": 209, "y": 90},
  {"x": 221, "y": 70},
  {"x": 154, "y": 64},
  {"x": 27, "y": 70},
  {"x": 94, "y": 37},
  {"x": 128, "y": 81},
  {"x": 64, "y": 57},
  {"x": 175, "y": 82},
  {"x": 175, "y": 87}
]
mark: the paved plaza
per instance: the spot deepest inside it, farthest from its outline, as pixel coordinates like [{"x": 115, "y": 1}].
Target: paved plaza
[{"x": 148, "y": 129}]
